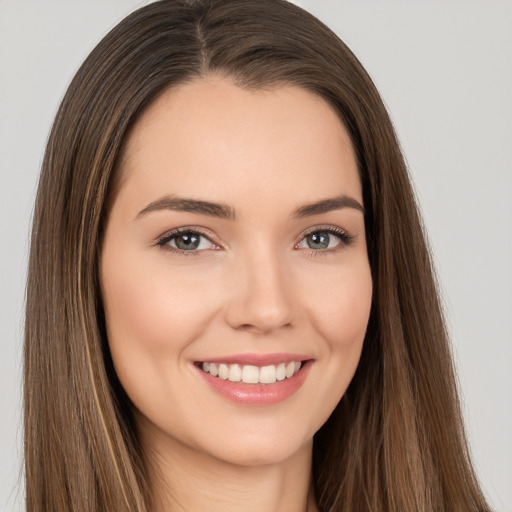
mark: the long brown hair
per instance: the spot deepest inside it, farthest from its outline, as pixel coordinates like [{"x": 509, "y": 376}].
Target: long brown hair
[{"x": 395, "y": 442}]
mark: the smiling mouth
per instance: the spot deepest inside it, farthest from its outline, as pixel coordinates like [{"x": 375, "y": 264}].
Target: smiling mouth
[{"x": 250, "y": 374}]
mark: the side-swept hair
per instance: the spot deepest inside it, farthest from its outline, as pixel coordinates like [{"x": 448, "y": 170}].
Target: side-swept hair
[{"x": 395, "y": 442}]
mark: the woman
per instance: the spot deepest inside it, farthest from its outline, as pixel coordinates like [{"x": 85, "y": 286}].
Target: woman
[{"x": 226, "y": 239}]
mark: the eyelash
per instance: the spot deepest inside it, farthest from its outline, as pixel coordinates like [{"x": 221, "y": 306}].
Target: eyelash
[
  {"x": 164, "y": 240},
  {"x": 343, "y": 236}
]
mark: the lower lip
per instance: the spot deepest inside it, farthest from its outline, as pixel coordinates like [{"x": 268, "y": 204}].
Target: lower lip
[{"x": 257, "y": 394}]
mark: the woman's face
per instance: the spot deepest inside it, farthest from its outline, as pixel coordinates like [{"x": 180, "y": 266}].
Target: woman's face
[{"x": 236, "y": 239}]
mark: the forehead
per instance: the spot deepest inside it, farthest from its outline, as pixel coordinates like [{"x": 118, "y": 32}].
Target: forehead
[{"x": 215, "y": 140}]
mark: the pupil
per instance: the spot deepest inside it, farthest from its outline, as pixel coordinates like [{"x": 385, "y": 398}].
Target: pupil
[
  {"x": 318, "y": 240},
  {"x": 187, "y": 241}
]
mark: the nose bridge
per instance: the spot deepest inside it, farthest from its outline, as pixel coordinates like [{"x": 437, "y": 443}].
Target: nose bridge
[{"x": 261, "y": 298}]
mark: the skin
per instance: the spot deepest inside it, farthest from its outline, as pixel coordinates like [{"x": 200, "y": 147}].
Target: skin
[{"x": 255, "y": 286}]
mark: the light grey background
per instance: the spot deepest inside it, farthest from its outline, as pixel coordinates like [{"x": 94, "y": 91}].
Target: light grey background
[{"x": 444, "y": 68}]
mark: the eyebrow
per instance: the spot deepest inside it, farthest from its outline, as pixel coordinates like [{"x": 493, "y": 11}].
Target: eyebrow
[
  {"x": 183, "y": 204},
  {"x": 327, "y": 205},
  {"x": 223, "y": 211}
]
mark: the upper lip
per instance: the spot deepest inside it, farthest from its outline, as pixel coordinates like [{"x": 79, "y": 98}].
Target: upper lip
[{"x": 257, "y": 359}]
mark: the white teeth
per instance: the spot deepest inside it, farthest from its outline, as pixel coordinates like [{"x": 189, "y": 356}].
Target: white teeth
[
  {"x": 290, "y": 369},
  {"x": 281, "y": 371},
  {"x": 268, "y": 374},
  {"x": 235, "y": 373},
  {"x": 223, "y": 371},
  {"x": 250, "y": 374}
]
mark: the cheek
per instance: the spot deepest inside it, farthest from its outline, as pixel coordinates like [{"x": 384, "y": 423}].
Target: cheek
[
  {"x": 340, "y": 308},
  {"x": 151, "y": 301},
  {"x": 152, "y": 314}
]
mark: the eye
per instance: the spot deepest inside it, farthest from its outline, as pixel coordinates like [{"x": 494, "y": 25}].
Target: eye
[
  {"x": 325, "y": 239},
  {"x": 185, "y": 241}
]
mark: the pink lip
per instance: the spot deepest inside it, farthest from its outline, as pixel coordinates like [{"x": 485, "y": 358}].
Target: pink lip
[
  {"x": 258, "y": 359},
  {"x": 257, "y": 394}
]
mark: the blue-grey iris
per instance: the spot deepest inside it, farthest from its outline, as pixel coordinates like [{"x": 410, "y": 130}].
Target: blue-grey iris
[
  {"x": 187, "y": 241},
  {"x": 318, "y": 240}
]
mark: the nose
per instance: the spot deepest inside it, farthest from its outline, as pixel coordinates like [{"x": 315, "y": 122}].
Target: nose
[{"x": 261, "y": 296}]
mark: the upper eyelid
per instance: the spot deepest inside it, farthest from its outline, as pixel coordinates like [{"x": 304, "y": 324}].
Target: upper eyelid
[
  {"x": 188, "y": 229},
  {"x": 337, "y": 231},
  {"x": 206, "y": 232},
  {"x": 325, "y": 227}
]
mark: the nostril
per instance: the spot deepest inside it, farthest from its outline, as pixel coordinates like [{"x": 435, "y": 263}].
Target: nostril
[{"x": 261, "y": 327}]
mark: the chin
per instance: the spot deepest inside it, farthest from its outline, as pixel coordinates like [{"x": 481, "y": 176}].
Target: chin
[
  {"x": 267, "y": 446},
  {"x": 262, "y": 453}
]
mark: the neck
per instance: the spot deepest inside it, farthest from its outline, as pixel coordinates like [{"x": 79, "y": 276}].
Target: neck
[{"x": 183, "y": 479}]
